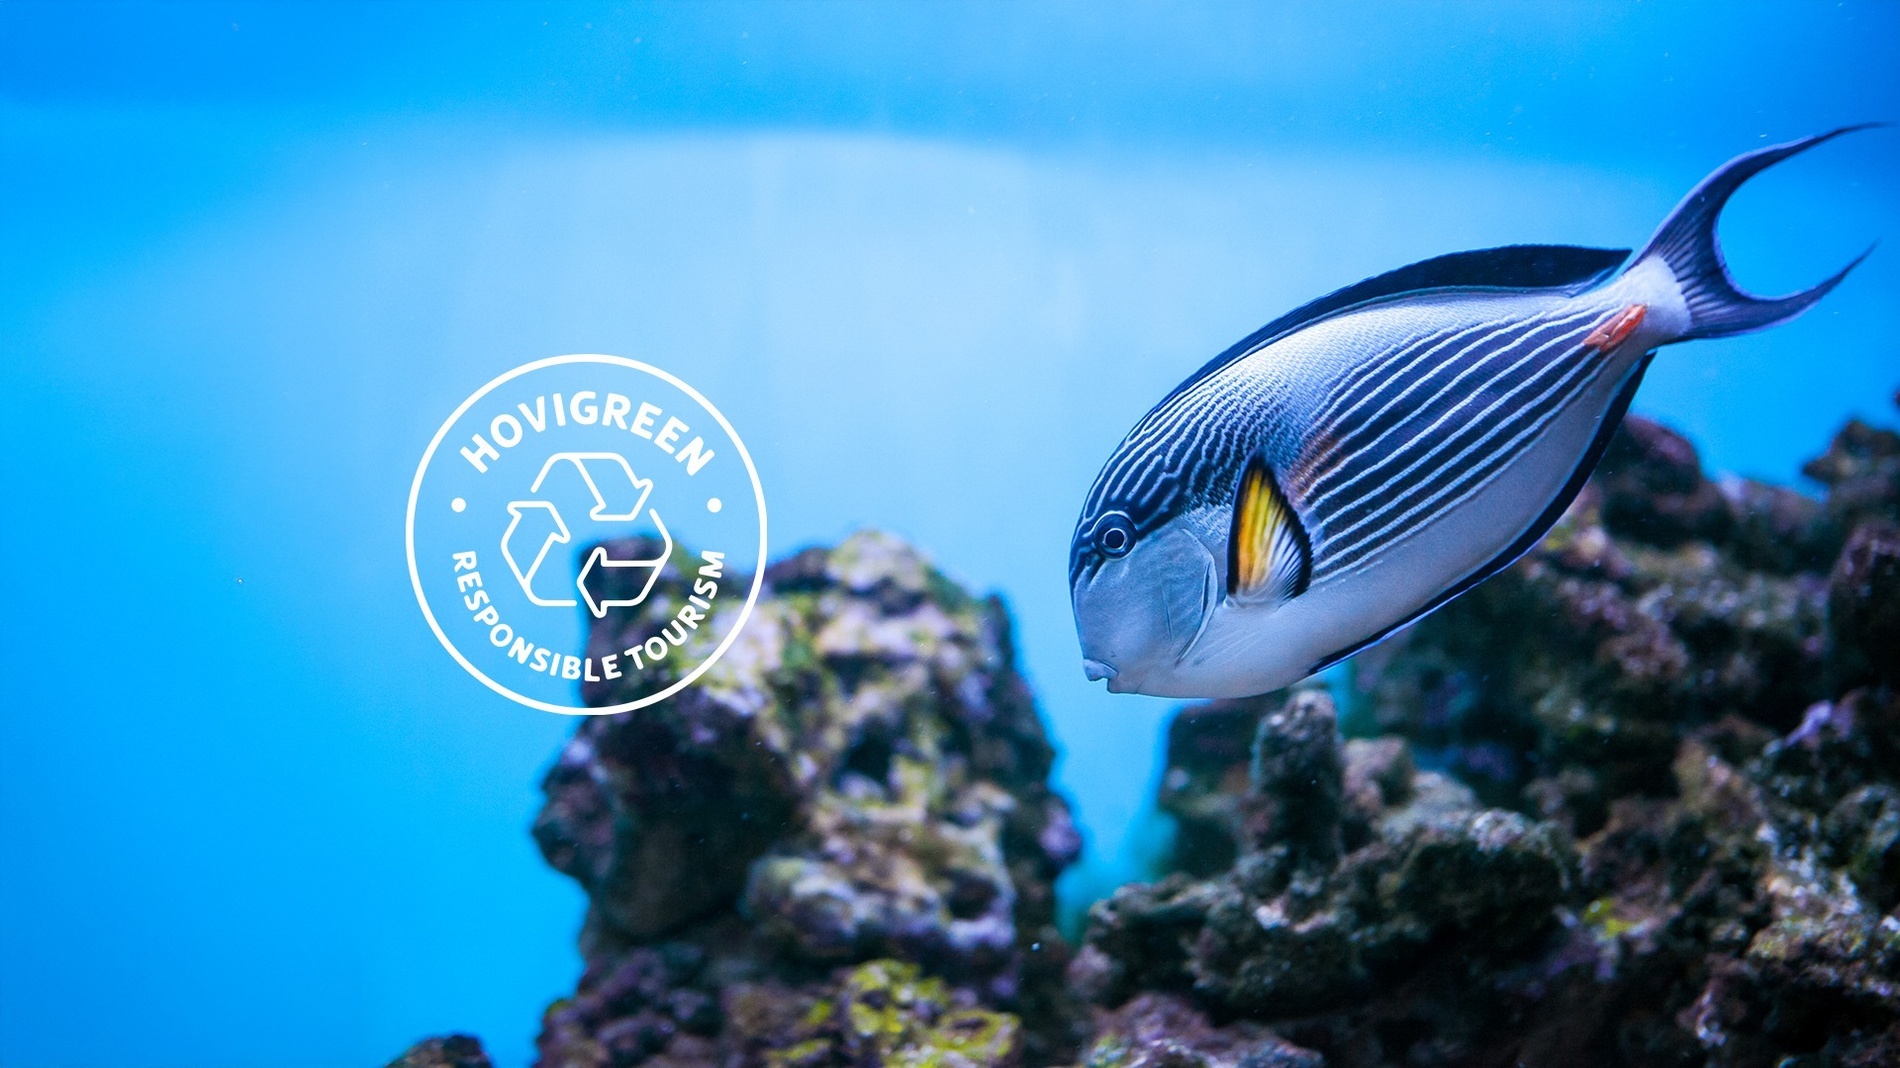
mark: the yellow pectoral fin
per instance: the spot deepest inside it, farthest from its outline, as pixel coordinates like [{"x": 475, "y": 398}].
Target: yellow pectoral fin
[{"x": 1268, "y": 554}]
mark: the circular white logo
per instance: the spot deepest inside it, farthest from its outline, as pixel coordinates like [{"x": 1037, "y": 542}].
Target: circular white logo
[{"x": 586, "y": 525}]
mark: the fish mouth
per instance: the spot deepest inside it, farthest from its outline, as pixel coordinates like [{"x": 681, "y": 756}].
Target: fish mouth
[{"x": 1096, "y": 670}]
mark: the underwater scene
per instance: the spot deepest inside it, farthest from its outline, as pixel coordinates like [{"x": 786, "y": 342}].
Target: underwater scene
[{"x": 950, "y": 535}]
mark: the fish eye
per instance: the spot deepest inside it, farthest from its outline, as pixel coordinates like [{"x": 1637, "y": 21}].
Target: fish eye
[{"x": 1114, "y": 534}]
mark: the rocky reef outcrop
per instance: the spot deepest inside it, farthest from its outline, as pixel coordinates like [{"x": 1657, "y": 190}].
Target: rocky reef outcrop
[
  {"x": 838, "y": 846},
  {"x": 1362, "y": 889},
  {"x": 446, "y": 1051},
  {"x": 1635, "y": 801}
]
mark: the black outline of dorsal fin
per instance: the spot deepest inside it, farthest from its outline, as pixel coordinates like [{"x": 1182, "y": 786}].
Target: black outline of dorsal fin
[{"x": 1528, "y": 267}]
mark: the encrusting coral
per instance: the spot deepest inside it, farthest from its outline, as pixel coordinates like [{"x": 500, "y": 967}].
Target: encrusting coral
[{"x": 1635, "y": 801}]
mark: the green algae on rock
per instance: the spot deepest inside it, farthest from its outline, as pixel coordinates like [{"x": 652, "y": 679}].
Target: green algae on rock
[
  {"x": 882, "y": 1012},
  {"x": 862, "y": 776}
]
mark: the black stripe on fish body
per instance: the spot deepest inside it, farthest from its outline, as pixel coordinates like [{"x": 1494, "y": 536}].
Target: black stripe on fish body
[
  {"x": 1138, "y": 484},
  {"x": 1145, "y": 461},
  {"x": 1492, "y": 426},
  {"x": 1156, "y": 495},
  {"x": 1378, "y": 368},
  {"x": 1411, "y": 426},
  {"x": 1532, "y": 534},
  {"x": 1360, "y": 433},
  {"x": 1454, "y": 486},
  {"x": 1321, "y": 451},
  {"x": 1433, "y": 371},
  {"x": 1372, "y": 411},
  {"x": 1389, "y": 371},
  {"x": 1459, "y": 482},
  {"x": 1163, "y": 468},
  {"x": 1175, "y": 458},
  {"x": 1393, "y": 460},
  {"x": 1375, "y": 433}
]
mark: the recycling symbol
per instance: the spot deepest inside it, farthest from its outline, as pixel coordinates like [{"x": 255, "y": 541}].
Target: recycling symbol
[{"x": 536, "y": 526}]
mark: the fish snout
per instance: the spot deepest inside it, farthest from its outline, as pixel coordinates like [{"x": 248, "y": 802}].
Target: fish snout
[{"x": 1096, "y": 670}]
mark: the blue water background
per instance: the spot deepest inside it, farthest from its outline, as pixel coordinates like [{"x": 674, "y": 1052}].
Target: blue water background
[{"x": 931, "y": 260}]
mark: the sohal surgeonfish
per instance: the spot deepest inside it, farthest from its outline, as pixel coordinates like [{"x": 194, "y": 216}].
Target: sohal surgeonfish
[{"x": 1360, "y": 461}]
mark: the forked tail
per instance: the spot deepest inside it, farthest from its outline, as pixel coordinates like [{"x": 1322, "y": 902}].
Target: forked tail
[{"x": 1686, "y": 242}]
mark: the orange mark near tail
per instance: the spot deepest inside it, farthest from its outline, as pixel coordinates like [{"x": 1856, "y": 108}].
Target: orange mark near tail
[{"x": 1618, "y": 329}]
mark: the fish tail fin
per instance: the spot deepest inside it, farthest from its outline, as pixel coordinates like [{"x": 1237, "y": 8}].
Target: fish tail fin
[{"x": 1686, "y": 243}]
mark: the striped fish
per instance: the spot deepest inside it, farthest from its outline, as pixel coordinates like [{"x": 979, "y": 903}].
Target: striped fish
[{"x": 1366, "y": 458}]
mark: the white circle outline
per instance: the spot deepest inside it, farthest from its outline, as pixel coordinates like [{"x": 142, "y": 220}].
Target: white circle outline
[{"x": 415, "y": 576}]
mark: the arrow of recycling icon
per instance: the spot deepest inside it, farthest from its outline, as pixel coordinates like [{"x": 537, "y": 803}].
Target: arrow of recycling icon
[{"x": 535, "y": 526}]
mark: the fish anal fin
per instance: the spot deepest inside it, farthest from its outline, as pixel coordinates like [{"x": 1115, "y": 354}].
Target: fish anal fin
[{"x": 1269, "y": 556}]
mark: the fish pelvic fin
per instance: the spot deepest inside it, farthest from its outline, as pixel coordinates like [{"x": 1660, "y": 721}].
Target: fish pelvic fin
[
  {"x": 1269, "y": 555},
  {"x": 1686, "y": 243}
]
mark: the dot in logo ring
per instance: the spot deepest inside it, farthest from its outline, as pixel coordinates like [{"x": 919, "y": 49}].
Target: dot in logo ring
[{"x": 415, "y": 492}]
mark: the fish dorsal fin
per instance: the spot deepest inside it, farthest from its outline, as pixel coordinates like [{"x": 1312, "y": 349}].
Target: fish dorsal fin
[
  {"x": 1269, "y": 557},
  {"x": 1570, "y": 267}
]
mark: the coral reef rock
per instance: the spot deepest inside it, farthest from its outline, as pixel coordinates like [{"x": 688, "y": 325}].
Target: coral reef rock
[
  {"x": 1357, "y": 872},
  {"x": 1155, "y": 1030},
  {"x": 1634, "y": 801},
  {"x": 861, "y": 779},
  {"x": 449, "y": 1051}
]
